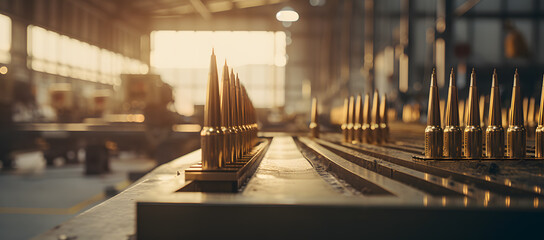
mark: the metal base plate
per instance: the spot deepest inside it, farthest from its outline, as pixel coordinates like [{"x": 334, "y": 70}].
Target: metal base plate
[{"x": 231, "y": 177}]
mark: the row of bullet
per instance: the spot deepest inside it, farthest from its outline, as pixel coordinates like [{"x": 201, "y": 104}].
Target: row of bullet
[
  {"x": 365, "y": 123},
  {"x": 230, "y": 123},
  {"x": 454, "y": 142}
]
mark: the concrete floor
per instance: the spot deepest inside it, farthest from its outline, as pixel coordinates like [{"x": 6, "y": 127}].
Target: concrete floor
[{"x": 34, "y": 199}]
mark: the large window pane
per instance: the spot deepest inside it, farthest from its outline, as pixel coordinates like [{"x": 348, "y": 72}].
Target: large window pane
[{"x": 183, "y": 57}]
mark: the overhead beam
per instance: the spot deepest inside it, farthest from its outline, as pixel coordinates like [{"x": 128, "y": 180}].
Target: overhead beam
[{"x": 201, "y": 9}]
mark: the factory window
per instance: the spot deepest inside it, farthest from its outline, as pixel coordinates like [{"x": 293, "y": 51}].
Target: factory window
[
  {"x": 57, "y": 54},
  {"x": 5, "y": 39},
  {"x": 183, "y": 57}
]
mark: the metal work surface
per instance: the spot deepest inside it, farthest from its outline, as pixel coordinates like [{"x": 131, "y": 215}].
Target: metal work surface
[{"x": 320, "y": 188}]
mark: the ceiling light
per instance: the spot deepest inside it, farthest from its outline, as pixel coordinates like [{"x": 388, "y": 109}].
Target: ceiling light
[{"x": 287, "y": 14}]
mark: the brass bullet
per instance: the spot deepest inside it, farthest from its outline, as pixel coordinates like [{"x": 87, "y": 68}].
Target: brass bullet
[
  {"x": 246, "y": 133},
  {"x": 345, "y": 137},
  {"x": 351, "y": 118},
  {"x": 314, "y": 123},
  {"x": 226, "y": 118},
  {"x": 525, "y": 110},
  {"x": 452, "y": 131},
  {"x": 462, "y": 110},
  {"x": 211, "y": 135},
  {"x": 531, "y": 124},
  {"x": 539, "y": 134},
  {"x": 472, "y": 135},
  {"x": 482, "y": 111},
  {"x": 504, "y": 115},
  {"x": 357, "y": 124},
  {"x": 375, "y": 126},
  {"x": 251, "y": 120},
  {"x": 516, "y": 134},
  {"x": 494, "y": 133},
  {"x": 240, "y": 125},
  {"x": 367, "y": 134},
  {"x": 433, "y": 131},
  {"x": 384, "y": 127},
  {"x": 235, "y": 117},
  {"x": 243, "y": 126}
]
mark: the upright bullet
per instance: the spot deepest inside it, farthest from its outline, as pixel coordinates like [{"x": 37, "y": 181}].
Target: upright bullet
[
  {"x": 531, "y": 124},
  {"x": 539, "y": 134},
  {"x": 367, "y": 134},
  {"x": 452, "y": 131},
  {"x": 240, "y": 124},
  {"x": 516, "y": 134},
  {"x": 357, "y": 125},
  {"x": 314, "y": 124},
  {"x": 345, "y": 119},
  {"x": 494, "y": 133},
  {"x": 433, "y": 131},
  {"x": 226, "y": 117},
  {"x": 384, "y": 127},
  {"x": 472, "y": 135},
  {"x": 482, "y": 107},
  {"x": 235, "y": 117},
  {"x": 211, "y": 135},
  {"x": 375, "y": 126},
  {"x": 351, "y": 116},
  {"x": 245, "y": 118},
  {"x": 462, "y": 111}
]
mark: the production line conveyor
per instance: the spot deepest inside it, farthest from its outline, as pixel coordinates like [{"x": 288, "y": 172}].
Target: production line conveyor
[{"x": 306, "y": 187}]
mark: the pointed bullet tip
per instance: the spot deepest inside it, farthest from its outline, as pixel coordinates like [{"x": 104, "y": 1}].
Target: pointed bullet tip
[
  {"x": 473, "y": 78},
  {"x": 516, "y": 78},
  {"x": 452, "y": 78},
  {"x": 433, "y": 79},
  {"x": 494, "y": 80}
]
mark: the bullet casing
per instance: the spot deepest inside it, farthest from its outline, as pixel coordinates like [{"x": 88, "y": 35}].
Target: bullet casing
[
  {"x": 357, "y": 125},
  {"x": 351, "y": 117},
  {"x": 472, "y": 146},
  {"x": 314, "y": 125},
  {"x": 211, "y": 142},
  {"x": 494, "y": 141},
  {"x": 433, "y": 141},
  {"x": 516, "y": 136},
  {"x": 346, "y": 120},
  {"x": 539, "y": 142},
  {"x": 453, "y": 138},
  {"x": 375, "y": 126},
  {"x": 384, "y": 126},
  {"x": 366, "y": 133}
]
